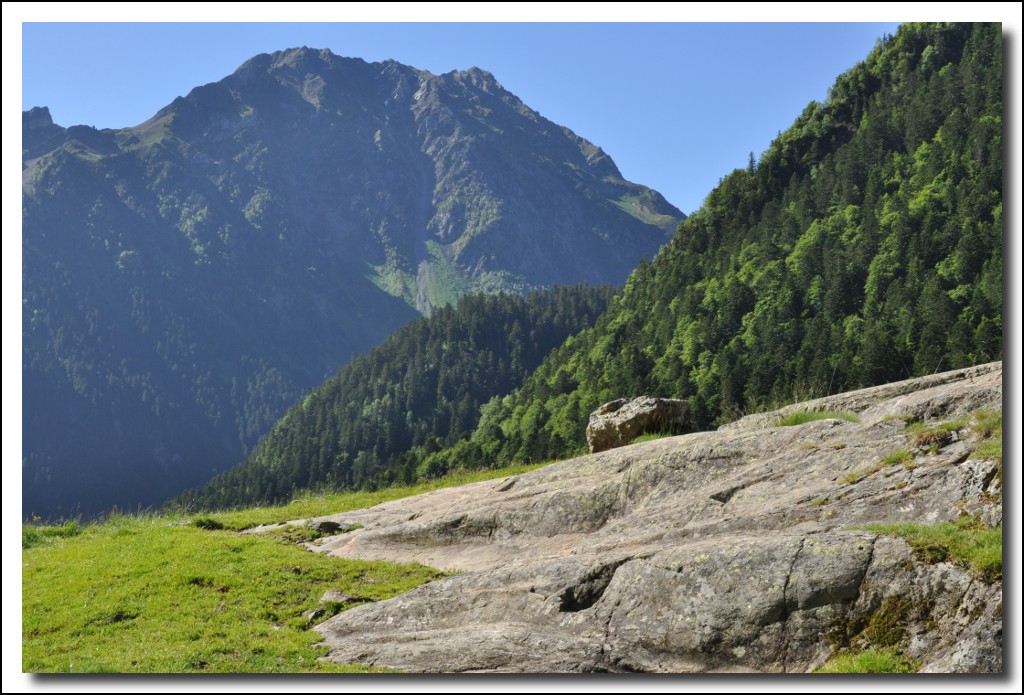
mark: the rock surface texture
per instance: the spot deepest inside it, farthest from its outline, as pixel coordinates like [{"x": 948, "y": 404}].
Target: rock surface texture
[
  {"x": 742, "y": 549},
  {"x": 619, "y": 422}
]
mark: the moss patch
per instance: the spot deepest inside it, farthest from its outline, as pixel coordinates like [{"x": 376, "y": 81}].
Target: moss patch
[{"x": 870, "y": 661}]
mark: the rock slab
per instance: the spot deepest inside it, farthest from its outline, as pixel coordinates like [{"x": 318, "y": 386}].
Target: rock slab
[{"x": 743, "y": 549}]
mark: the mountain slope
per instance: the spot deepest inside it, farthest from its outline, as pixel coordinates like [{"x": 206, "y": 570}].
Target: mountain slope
[
  {"x": 421, "y": 389},
  {"x": 186, "y": 279},
  {"x": 865, "y": 246}
]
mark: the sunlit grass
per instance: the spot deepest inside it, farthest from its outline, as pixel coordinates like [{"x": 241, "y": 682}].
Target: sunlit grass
[
  {"x": 651, "y": 436},
  {"x": 966, "y": 542},
  {"x": 165, "y": 594},
  {"x": 152, "y": 595},
  {"x": 870, "y": 661},
  {"x": 988, "y": 427}
]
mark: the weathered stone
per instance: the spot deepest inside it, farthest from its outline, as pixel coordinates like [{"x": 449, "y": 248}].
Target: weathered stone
[
  {"x": 330, "y": 528},
  {"x": 621, "y": 421},
  {"x": 735, "y": 550},
  {"x": 312, "y": 616},
  {"x": 333, "y": 596}
]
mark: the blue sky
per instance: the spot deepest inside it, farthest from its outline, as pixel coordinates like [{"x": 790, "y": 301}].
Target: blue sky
[{"x": 676, "y": 105}]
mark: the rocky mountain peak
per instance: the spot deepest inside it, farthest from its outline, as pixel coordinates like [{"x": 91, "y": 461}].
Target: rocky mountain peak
[
  {"x": 39, "y": 134},
  {"x": 36, "y": 117}
]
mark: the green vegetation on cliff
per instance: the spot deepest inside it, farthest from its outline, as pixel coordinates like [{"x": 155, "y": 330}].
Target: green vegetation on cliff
[{"x": 864, "y": 247}]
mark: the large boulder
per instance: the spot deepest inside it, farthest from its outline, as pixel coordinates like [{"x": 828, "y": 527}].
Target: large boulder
[{"x": 621, "y": 421}]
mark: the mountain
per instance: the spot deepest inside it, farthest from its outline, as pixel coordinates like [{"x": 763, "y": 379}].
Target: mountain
[
  {"x": 865, "y": 246},
  {"x": 186, "y": 279},
  {"x": 419, "y": 391}
]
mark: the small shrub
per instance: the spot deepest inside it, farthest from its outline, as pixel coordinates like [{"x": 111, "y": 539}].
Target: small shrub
[
  {"x": 30, "y": 536},
  {"x": 207, "y": 522},
  {"x": 805, "y": 416}
]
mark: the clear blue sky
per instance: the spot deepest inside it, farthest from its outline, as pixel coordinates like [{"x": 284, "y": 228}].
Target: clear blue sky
[{"x": 676, "y": 105}]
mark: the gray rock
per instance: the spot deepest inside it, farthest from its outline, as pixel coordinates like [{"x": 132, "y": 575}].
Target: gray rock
[
  {"x": 312, "y": 616},
  {"x": 341, "y": 597},
  {"x": 736, "y": 550},
  {"x": 621, "y": 421},
  {"x": 330, "y": 528}
]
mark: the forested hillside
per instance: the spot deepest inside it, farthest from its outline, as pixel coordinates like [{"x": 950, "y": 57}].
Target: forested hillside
[
  {"x": 864, "y": 246},
  {"x": 421, "y": 389}
]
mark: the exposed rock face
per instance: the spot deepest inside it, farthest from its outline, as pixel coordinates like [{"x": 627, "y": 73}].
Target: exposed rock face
[
  {"x": 619, "y": 422},
  {"x": 740, "y": 549}
]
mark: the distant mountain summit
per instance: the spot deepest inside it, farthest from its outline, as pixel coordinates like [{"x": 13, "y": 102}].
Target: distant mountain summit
[{"x": 188, "y": 278}]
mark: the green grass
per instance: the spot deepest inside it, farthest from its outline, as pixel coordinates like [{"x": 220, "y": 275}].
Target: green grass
[
  {"x": 870, "y": 661},
  {"x": 991, "y": 449},
  {"x": 651, "y": 436},
  {"x": 934, "y": 437},
  {"x": 321, "y": 504},
  {"x": 903, "y": 456},
  {"x": 153, "y": 595},
  {"x": 32, "y": 536},
  {"x": 166, "y": 594},
  {"x": 966, "y": 542},
  {"x": 987, "y": 426},
  {"x": 805, "y": 416}
]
